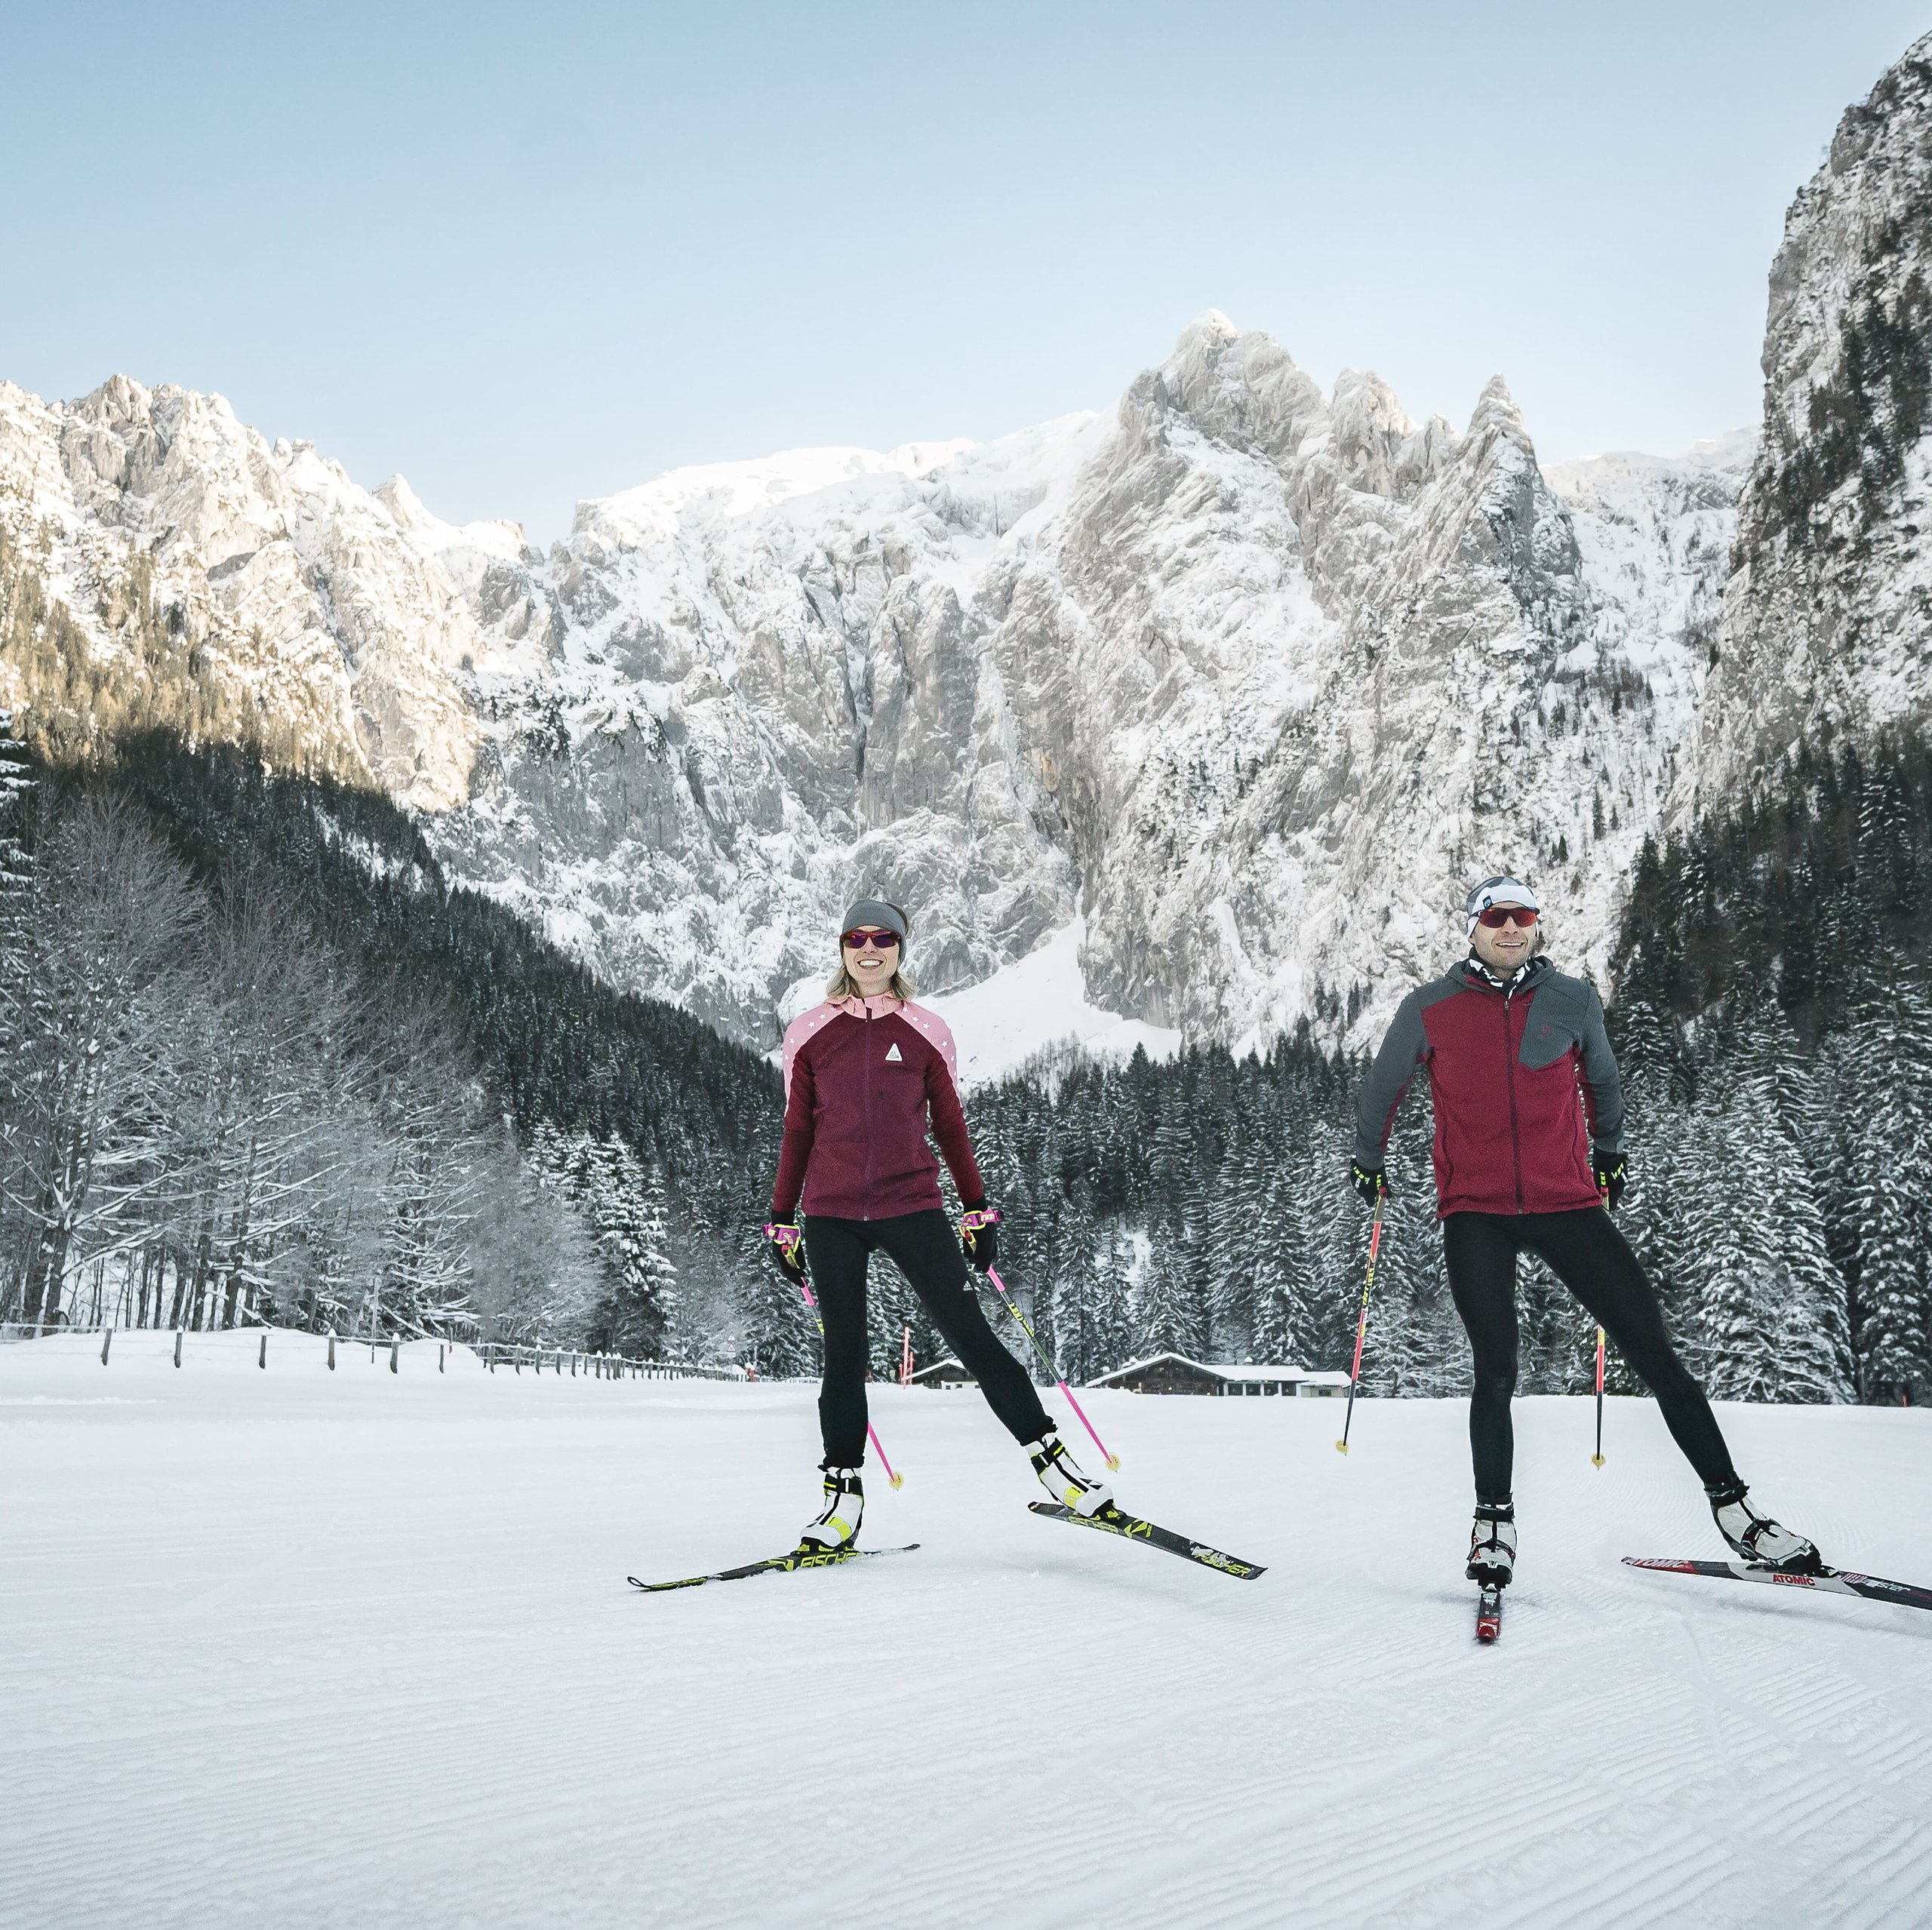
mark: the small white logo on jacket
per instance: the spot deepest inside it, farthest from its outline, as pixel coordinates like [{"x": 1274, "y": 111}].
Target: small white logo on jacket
[{"x": 894, "y": 1055}]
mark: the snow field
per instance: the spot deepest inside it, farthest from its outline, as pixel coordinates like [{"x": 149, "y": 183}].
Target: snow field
[{"x": 356, "y": 1649}]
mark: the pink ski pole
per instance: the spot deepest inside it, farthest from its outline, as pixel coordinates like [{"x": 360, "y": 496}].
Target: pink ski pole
[
  {"x": 1013, "y": 1308},
  {"x": 872, "y": 1433},
  {"x": 1361, "y": 1327}
]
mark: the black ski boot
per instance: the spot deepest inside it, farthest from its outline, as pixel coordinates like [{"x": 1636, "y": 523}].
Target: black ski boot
[
  {"x": 1756, "y": 1537},
  {"x": 1493, "y": 1544}
]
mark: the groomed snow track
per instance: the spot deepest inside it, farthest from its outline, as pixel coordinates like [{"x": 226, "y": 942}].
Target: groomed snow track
[{"x": 291, "y": 1648}]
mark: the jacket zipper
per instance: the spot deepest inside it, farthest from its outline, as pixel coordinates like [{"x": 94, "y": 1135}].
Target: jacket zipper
[
  {"x": 1509, "y": 1075},
  {"x": 865, "y": 1197}
]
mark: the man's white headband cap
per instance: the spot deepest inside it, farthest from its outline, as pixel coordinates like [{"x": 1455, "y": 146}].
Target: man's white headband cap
[{"x": 1495, "y": 891}]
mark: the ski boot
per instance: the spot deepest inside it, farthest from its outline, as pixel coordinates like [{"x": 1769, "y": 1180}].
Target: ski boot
[
  {"x": 1756, "y": 1537},
  {"x": 838, "y": 1527},
  {"x": 1061, "y": 1477},
  {"x": 1493, "y": 1544}
]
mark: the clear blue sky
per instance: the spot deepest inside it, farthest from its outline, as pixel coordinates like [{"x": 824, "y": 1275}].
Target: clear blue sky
[{"x": 528, "y": 254}]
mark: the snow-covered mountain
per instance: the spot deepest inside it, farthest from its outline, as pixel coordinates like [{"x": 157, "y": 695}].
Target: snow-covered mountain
[
  {"x": 1251, "y": 676},
  {"x": 1827, "y": 621},
  {"x": 1245, "y": 678}
]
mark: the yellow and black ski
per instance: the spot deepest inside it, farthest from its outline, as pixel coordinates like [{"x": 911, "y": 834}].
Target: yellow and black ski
[
  {"x": 777, "y": 1565},
  {"x": 1131, "y": 1527}
]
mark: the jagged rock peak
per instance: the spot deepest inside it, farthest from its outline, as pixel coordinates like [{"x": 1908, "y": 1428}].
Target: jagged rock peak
[
  {"x": 1825, "y": 621},
  {"x": 1234, "y": 675},
  {"x": 1497, "y": 414}
]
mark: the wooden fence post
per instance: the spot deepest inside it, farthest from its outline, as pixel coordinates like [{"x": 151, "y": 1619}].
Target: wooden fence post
[
  {"x": 395, "y": 1353},
  {"x": 331, "y": 1350},
  {"x": 263, "y": 1360},
  {"x": 106, "y": 1341},
  {"x": 177, "y": 1346},
  {"x": 439, "y": 1356}
]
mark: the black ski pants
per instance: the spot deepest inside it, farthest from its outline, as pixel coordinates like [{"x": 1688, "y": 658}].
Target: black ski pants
[
  {"x": 1591, "y": 1257},
  {"x": 925, "y": 1249}
]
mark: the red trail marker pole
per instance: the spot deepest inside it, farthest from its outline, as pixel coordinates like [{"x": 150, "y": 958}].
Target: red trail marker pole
[{"x": 1596, "y": 1459}]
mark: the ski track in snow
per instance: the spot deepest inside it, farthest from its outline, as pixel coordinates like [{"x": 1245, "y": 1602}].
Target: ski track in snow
[{"x": 296, "y": 1648}]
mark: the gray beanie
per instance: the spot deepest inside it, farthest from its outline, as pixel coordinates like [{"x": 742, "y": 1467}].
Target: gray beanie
[
  {"x": 1504, "y": 891},
  {"x": 876, "y": 912}
]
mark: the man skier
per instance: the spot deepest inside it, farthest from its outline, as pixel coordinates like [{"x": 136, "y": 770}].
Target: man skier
[{"x": 1529, "y": 1128}]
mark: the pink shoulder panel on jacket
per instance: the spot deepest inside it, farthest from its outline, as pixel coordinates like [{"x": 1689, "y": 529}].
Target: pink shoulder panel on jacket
[
  {"x": 930, "y": 1025},
  {"x": 801, "y": 1029}
]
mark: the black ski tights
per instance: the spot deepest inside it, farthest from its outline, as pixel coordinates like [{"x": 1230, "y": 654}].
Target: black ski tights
[
  {"x": 924, "y": 1248},
  {"x": 1591, "y": 1257}
]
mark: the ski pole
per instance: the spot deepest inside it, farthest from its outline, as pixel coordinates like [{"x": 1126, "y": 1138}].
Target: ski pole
[
  {"x": 1361, "y": 1327},
  {"x": 872, "y": 1433},
  {"x": 1596, "y": 1459},
  {"x": 1013, "y": 1308}
]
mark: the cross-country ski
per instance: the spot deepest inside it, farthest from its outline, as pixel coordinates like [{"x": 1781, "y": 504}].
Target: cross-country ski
[
  {"x": 1489, "y": 1612},
  {"x": 787, "y": 1564},
  {"x": 1131, "y": 1527},
  {"x": 1824, "y": 1582}
]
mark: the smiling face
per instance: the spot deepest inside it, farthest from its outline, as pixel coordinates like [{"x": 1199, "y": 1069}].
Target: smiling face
[
  {"x": 1504, "y": 948},
  {"x": 870, "y": 967}
]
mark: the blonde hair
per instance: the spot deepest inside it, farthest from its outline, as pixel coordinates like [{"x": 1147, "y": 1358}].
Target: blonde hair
[
  {"x": 901, "y": 986},
  {"x": 842, "y": 987}
]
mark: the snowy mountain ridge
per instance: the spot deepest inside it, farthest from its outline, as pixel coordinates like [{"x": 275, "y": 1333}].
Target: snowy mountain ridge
[
  {"x": 1240, "y": 681},
  {"x": 1206, "y": 672}
]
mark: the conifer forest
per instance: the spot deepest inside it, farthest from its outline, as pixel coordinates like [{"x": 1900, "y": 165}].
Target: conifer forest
[{"x": 263, "y": 1062}]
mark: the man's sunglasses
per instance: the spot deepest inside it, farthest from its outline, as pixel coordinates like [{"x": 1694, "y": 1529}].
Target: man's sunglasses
[
  {"x": 1497, "y": 915},
  {"x": 858, "y": 941}
]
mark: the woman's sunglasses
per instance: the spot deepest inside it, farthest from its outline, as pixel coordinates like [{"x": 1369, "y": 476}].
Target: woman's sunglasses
[
  {"x": 1497, "y": 915},
  {"x": 879, "y": 941}
]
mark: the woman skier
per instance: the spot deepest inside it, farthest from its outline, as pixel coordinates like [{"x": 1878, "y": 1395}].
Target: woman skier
[
  {"x": 864, "y": 1072},
  {"x": 1529, "y": 1125}
]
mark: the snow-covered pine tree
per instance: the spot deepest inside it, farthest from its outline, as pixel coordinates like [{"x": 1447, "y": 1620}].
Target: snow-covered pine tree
[
  {"x": 1415, "y": 1345},
  {"x": 629, "y": 1222},
  {"x": 1168, "y": 1317},
  {"x": 1770, "y": 1303},
  {"x": 1092, "y": 1334},
  {"x": 1885, "y": 1069}
]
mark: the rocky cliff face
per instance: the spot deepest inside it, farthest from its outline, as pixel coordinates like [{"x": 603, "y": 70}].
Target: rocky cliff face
[
  {"x": 311, "y": 612},
  {"x": 1254, "y": 678},
  {"x": 1828, "y": 620}
]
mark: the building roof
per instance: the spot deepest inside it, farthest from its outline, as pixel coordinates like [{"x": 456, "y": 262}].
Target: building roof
[
  {"x": 1250, "y": 1371},
  {"x": 939, "y": 1370}
]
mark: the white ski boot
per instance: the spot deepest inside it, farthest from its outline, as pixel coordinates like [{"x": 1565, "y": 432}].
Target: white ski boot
[
  {"x": 1758, "y": 1539},
  {"x": 1061, "y": 1477},
  {"x": 838, "y": 1527},
  {"x": 1493, "y": 1544}
]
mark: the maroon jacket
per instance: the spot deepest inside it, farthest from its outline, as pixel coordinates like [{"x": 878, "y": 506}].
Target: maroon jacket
[
  {"x": 1523, "y": 1079},
  {"x": 861, "y": 1077}
]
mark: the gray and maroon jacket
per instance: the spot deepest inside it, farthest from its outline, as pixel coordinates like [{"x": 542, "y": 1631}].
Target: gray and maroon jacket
[
  {"x": 1523, "y": 1081},
  {"x": 862, "y": 1077}
]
